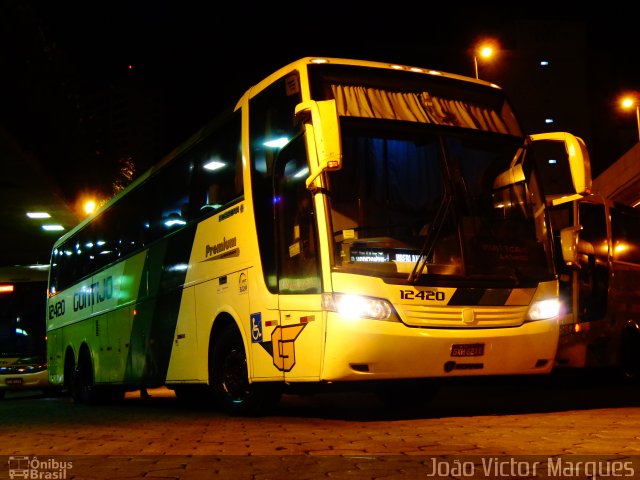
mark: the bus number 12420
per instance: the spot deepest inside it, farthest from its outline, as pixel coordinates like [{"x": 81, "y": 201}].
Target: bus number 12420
[{"x": 422, "y": 295}]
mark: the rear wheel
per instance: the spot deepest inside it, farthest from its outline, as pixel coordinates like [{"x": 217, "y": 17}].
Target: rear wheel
[
  {"x": 630, "y": 353},
  {"x": 82, "y": 387},
  {"x": 69, "y": 372},
  {"x": 229, "y": 378}
]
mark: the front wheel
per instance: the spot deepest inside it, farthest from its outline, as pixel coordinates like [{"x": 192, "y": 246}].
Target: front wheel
[{"x": 229, "y": 378}]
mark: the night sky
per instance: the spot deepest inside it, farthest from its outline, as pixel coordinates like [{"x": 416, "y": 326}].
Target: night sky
[{"x": 201, "y": 57}]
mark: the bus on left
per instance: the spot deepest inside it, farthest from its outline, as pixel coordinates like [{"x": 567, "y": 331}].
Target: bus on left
[{"x": 23, "y": 299}]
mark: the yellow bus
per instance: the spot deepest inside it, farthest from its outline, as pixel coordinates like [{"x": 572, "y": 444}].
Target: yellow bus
[
  {"x": 597, "y": 250},
  {"x": 346, "y": 223},
  {"x": 599, "y": 284}
]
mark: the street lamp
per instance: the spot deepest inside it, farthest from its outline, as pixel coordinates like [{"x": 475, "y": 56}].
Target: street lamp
[
  {"x": 485, "y": 50},
  {"x": 628, "y": 103}
]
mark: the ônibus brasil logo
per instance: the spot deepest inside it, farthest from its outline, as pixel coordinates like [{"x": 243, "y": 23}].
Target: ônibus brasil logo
[{"x": 34, "y": 468}]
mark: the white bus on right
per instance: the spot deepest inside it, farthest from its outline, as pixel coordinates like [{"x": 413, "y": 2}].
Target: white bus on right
[{"x": 597, "y": 252}]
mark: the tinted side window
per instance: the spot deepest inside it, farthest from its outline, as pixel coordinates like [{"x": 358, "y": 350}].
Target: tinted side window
[
  {"x": 625, "y": 232},
  {"x": 272, "y": 123},
  {"x": 218, "y": 169},
  {"x": 298, "y": 262},
  {"x": 594, "y": 227}
]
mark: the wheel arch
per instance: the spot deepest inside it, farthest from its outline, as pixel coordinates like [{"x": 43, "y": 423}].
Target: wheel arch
[
  {"x": 85, "y": 355},
  {"x": 69, "y": 366},
  {"x": 222, "y": 321}
]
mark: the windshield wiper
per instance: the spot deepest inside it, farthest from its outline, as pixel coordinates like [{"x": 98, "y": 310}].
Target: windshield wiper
[
  {"x": 433, "y": 234},
  {"x": 503, "y": 250}
]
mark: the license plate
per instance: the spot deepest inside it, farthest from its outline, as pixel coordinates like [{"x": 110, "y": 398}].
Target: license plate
[
  {"x": 467, "y": 350},
  {"x": 13, "y": 381}
]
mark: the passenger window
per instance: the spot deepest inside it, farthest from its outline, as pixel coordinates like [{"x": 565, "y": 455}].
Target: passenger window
[{"x": 625, "y": 228}]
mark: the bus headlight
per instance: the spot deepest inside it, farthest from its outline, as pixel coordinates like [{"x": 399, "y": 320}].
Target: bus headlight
[
  {"x": 359, "y": 306},
  {"x": 544, "y": 309}
]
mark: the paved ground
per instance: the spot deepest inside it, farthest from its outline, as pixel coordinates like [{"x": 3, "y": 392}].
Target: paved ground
[{"x": 497, "y": 431}]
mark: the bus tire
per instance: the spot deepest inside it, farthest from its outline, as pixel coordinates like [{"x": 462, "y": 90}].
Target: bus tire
[
  {"x": 69, "y": 369},
  {"x": 82, "y": 386},
  {"x": 630, "y": 353},
  {"x": 229, "y": 378}
]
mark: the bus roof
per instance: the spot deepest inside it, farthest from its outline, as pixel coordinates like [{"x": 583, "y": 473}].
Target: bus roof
[{"x": 304, "y": 61}]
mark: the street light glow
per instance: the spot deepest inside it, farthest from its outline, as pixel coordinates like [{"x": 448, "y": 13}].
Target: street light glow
[
  {"x": 627, "y": 102},
  {"x": 630, "y": 101},
  {"x": 485, "y": 50},
  {"x": 89, "y": 207}
]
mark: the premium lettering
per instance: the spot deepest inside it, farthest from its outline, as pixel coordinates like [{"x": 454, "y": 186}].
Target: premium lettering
[{"x": 218, "y": 248}]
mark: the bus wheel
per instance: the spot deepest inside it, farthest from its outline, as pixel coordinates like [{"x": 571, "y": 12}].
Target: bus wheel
[
  {"x": 630, "y": 353},
  {"x": 83, "y": 390},
  {"x": 69, "y": 372},
  {"x": 229, "y": 379}
]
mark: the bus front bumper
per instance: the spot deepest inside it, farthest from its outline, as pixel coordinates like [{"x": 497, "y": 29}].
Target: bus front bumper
[{"x": 388, "y": 350}]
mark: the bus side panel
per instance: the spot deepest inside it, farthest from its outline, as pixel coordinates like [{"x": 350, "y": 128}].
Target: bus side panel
[
  {"x": 115, "y": 290},
  {"x": 623, "y": 303},
  {"x": 112, "y": 345},
  {"x": 223, "y": 295},
  {"x": 223, "y": 243},
  {"x": 119, "y": 332},
  {"x": 225, "y": 270},
  {"x": 154, "y": 320},
  {"x": 66, "y": 312},
  {"x": 55, "y": 357},
  {"x": 262, "y": 321},
  {"x": 185, "y": 362},
  {"x": 301, "y": 339}
]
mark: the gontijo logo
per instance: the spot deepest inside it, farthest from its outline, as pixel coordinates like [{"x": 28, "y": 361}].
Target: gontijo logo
[
  {"x": 96, "y": 293},
  {"x": 86, "y": 297}
]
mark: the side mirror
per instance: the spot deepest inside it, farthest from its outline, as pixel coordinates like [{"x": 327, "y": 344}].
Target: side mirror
[
  {"x": 569, "y": 245},
  {"x": 564, "y": 164},
  {"x": 321, "y": 123}
]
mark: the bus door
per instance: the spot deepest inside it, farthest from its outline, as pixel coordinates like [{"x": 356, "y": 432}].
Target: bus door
[
  {"x": 584, "y": 280},
  {"x": 299, "y": 340},
  {"x": 593, "y": 261}
]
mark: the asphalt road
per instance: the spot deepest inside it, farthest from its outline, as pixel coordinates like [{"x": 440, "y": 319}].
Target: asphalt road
[{"x": 568, "y": 427}]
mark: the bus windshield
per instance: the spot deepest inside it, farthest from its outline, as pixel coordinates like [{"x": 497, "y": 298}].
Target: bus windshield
[
  {"x": 416, "y": 192},
  {"x": 404, "y": 190},
  {"x": 22, "y": 325}
]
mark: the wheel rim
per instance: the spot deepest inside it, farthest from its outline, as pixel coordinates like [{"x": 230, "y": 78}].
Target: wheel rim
[{"x": 234, "y": 375}]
